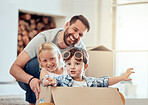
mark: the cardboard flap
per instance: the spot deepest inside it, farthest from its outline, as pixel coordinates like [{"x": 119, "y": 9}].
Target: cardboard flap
[
  {"x": 45, "y": 95},
  {"x": 86, "y": 96},
  {"x": 98, "y": 48}
]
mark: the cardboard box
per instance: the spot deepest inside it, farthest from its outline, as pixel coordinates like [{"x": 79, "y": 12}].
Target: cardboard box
[
  {"x": 79, "y": 96},
  {"x": 100, "y": 62}
]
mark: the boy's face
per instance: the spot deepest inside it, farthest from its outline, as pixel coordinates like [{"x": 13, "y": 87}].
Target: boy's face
[{"x": 75, "y": 68}]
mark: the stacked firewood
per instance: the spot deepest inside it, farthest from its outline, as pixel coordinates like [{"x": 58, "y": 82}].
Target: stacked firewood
[{"x": 29, "y": 26}]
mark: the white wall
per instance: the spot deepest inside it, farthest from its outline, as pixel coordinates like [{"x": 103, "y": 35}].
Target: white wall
[
  {"x": 54, "y": 7},
  {"x": 65, "y": 8},
  {"x": 8, "y": 36},
  {"x": 105, "y": 23},
  {"x": 89, "y": 8}
]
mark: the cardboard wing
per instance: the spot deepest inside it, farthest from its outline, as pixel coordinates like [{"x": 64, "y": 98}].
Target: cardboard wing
[{"x": 82, "y": 96}]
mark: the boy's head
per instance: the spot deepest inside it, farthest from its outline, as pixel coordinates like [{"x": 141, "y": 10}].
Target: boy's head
[
  {"x": 79, "y": 54},
  {"x": 76, "y": 62}
]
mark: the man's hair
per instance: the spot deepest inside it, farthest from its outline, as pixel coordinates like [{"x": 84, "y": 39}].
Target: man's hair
[
  {"x": 82, "y": 19},
  {"x": 85, "y": 58}
]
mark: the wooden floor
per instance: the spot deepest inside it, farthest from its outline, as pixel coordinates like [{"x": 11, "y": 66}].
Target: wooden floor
[
  {"x": 13, "y": 100},
  {"x": 12, "y": 94}
]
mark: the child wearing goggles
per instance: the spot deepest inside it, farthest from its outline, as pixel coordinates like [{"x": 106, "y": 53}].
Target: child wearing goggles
[
  {"x": 50, "y": 60},
  {"x": 76, "y": 60}
]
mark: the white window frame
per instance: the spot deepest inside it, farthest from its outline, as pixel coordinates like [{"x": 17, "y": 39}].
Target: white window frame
[{"x": 114, "y": 6}]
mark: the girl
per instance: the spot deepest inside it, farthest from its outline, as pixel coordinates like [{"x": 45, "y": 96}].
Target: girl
[{"x": 50, "y": 60}]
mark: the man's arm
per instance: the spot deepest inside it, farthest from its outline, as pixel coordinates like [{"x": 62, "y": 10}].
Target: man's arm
[
  {"x": 17, "y": 72},
  {"x": 16, "y": 69}
]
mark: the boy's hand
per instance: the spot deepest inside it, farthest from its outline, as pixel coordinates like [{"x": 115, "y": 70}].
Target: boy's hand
[
  {"x": 48, "y": 81},
  {"x": 125, "y": 76},
  {"x": 52, "y": 81}
]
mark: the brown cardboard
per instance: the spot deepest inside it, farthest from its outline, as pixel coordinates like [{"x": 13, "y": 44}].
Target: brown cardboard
[
  {"x": 45, "y": 95},
  {"x": 100, "y": 62},
  {"x": 81, "y": 96}
]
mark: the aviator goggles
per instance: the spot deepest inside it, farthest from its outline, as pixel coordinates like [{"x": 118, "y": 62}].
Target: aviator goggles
[{"x": 77, "y": 55}]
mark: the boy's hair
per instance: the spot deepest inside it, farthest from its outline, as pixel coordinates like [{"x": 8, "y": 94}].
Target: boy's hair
[
  {"x": 82, "y": 19},
  {"x": 85, "y": 57},
  {"x": 50, "y": 47}
]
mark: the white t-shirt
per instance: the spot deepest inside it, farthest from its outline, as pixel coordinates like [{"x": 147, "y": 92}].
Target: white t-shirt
[
  {"x": 79, "y": 83},
  {"x": 53, "y": 74},
  {"x": 47, "y": 36}
]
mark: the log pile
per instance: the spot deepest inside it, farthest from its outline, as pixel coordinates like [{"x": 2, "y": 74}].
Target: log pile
[{"x": 29, "y": 26}]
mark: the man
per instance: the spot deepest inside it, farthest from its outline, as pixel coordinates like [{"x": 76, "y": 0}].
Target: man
[{"x": 65, "y": 38}]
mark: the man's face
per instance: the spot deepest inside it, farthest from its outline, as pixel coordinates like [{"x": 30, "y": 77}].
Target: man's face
[{"x": 74, "y": 32}]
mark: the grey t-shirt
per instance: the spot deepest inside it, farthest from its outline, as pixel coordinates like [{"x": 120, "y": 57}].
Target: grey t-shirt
[{"x": 47, "y": 36}]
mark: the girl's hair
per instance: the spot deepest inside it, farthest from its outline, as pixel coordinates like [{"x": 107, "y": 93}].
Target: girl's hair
[
  {"x": 85, "y": 56},
  {"x": 53, "y": 48}
]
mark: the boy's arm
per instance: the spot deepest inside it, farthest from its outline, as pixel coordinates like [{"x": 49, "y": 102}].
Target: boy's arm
[
  {"x": 55, "y": 81},
  {"x": 102, "y": 81},
  {"x": 47, "y": 81},
  {"x": 123, "y": 77}
]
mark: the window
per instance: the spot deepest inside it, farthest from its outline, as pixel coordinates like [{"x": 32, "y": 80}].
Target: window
[{"x": 131, "y": 45}]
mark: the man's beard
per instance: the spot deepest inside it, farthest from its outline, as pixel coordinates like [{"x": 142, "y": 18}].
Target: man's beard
[{"x": 66, "y": 36}]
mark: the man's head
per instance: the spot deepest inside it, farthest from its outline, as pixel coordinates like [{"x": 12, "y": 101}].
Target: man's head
[
  {"x": 75, "y": 29},
  {"x": 76, "y": 60},
  {"x": 82, "y": 19}
]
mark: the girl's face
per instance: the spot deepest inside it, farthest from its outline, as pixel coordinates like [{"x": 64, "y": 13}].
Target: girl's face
[
  {"x": 76, "y": 68},
  {"x": 49, "y": 60}
]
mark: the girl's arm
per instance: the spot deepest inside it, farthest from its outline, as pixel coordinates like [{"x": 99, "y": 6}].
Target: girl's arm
[
  {"x": 123, "y": 77},
  {"x": 43, "y": 73}
]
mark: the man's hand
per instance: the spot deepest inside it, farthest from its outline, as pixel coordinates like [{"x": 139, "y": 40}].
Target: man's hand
[{"x": 35, "y": 86}]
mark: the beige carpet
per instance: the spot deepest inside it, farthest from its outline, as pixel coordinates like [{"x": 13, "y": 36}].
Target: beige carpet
[{"x": 13, "y": 100}]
